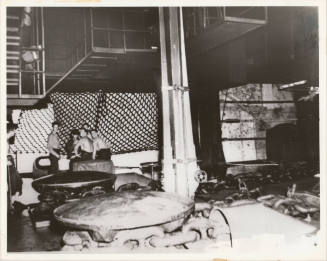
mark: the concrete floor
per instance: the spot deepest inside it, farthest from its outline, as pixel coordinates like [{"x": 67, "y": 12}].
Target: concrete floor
[{"x": 22, "y": 237}]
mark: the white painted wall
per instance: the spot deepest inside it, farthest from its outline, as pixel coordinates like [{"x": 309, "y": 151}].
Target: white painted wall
[
  {"x": 25, "y": 161},
  {"x": 135, "y": 158}
]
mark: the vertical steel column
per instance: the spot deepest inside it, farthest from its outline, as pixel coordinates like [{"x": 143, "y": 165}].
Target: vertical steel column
[
  {"x": 176, "y": 76},
  {"x": 37, "y": 45},
  {"x": 85, "y": 41},
  {"x": 43, "y": 50},
  {"x": 169, "y": 183},
  {"x": 176, "y": 107},
  {"x": 91, "y": 25},
  {"x": 190, "y": 155},
  {"x": 20, "y": 76}
]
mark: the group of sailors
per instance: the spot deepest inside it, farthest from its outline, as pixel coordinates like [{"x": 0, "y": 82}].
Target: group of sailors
[{"x": 84, "y": 144}]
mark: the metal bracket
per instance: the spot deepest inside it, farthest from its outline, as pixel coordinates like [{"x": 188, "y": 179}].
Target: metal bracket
[
  {"x": 186, "y": 161},
  {"x": 176, "y": 87},
  {"x": 183, "y": 161}
]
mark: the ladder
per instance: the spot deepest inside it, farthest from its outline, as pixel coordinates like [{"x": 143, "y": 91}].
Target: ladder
[
  {"x": 13, "y": 55},
  {"x": 25, "y": 76}
]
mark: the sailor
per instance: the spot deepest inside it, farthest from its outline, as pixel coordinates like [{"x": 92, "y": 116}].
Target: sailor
[
  {"x": 86, "y": 126},
  {"x": 101, "y": 148},
  {"x": 54, "y": 147},
  {"x": 73, "y": 140},
  {"x": 85, "y": 144}
]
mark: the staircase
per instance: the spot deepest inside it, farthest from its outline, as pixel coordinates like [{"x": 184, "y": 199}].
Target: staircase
[
  {"x": 13, "y": 55},
  {"x": 89, "y": 58},
  {"x": 25, "y": 87},
  {"x": 101, "y": 51}
]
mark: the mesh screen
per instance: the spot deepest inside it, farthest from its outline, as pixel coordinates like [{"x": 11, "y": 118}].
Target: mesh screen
[
  {"x": 128, "y": 120},
  {"x": 33, "y": 129},
  {"x": 73, "y": 110}
]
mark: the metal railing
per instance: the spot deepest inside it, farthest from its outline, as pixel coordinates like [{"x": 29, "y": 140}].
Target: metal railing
[
  {"x": 80, "y": 51},
  {"x": 130, "y": 38},
  {"x": 31, "y": 75},
  {"x": 87, "y": 42},
  {"x": 198, "y": 19}
]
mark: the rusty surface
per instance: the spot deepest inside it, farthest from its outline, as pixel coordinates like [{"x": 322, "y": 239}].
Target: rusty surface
[
  {"x": 73, "y": 180},
  {"x": 308, "y": 199},
  {"x": 124, "y": 210}
]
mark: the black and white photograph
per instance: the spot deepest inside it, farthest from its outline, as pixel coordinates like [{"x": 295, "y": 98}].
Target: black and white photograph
[{"x": 163, "y": 129}]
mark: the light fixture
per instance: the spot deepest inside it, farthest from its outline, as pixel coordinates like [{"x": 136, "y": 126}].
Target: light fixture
[{"x": 289, "y": 85}]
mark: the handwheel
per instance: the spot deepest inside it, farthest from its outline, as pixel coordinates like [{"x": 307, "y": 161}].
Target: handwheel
[{"x": 201, "y": 176}]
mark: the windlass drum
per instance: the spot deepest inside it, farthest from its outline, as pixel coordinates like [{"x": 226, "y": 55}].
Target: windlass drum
[
  {"x": 108, "y": 214},
  {"x": 74, "y": 183}
]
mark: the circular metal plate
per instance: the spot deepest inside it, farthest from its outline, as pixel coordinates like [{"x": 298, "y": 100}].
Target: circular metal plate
[
  {"x": 124, "y": 210},
  {"x": 73, "y": 179}
]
